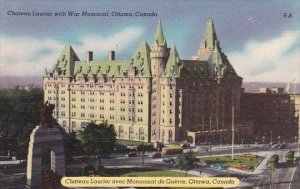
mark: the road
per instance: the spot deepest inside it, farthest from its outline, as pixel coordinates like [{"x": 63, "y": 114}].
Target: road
[
  {"x": 284, "y": 177},
  {"x": 280, "y": 178}
]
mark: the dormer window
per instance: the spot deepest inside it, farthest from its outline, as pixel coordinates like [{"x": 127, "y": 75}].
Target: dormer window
[{"x": 138, "y": 55}]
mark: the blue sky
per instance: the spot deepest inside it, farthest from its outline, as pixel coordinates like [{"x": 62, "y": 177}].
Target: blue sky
[{"x": 261, "y": 44}]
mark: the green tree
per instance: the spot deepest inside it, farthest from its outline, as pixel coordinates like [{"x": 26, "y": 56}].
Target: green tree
[
  {"x": 186, "y": 162},
  {"x": 290, "y": 156},
  {"x": 98, "y": 139},
  {"x": 273, "y": 161},
  {"x": 19, "y": 114},
  {"x": 72, "y": 145}
]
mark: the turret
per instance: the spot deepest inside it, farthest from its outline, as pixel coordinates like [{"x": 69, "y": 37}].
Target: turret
[
  {"x": 159, "y": 51},
  {"x": 208, "y": 42}
]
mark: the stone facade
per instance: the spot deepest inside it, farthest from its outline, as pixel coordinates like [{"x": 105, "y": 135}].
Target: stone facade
[
  {"x": 153, "y": 96},
  {"x": 271, "y": 112},
  {"x": 43, "y": 139}
]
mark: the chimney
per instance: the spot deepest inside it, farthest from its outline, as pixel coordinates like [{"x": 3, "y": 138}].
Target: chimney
[
  {"x": 89, "y": 56},
  {"x": 111, "y": 55}
]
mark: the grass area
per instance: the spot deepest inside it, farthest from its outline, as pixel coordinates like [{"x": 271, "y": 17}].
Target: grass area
[
  {"x": 181, "y": 142},
  {"x": 172, "y": 147},
  {"x": 157, "y": 173},
  {"x": 239, "y": 161},
  {"x": 130, "y": 142},
  {"x": 143, "y": 172}
]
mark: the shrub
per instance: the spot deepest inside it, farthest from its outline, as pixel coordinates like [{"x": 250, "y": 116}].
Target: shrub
[
  {"x": 273, "y": 161},
  {"x": 290, "y": 156}
]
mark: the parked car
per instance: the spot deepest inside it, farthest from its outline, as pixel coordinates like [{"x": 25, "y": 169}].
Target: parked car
[
  {"x": 169, "y": 160},
  {"x": 156, "y": 155},
  {"x": 219, "y": 166},
  {"x": 201, "y": 164},
  {"x": 131, "y": 154},
  {"x": 275, "y": 146}
]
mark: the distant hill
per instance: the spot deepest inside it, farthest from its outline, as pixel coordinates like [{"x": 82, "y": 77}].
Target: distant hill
[
  {"x": 253, "y": 87},
  {"x": 10, "y": 82}
]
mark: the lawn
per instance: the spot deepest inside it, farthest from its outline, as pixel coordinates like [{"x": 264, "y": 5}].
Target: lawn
[
  {"x": 143, "y": 172},
  {"x": 239, "y": 161},
  {"x": 156, "y": 173},
  {"x": 130, "y": 142}
]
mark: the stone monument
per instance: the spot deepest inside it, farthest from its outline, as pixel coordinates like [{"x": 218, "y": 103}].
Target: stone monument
[{"x": 47, "y": 136}]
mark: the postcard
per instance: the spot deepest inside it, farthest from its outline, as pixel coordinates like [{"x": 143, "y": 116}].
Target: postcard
[{"x": 149, "y": 94}]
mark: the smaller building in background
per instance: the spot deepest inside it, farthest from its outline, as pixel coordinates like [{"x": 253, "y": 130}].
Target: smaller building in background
[
  {"x": 274, "y": 90},
  {"x": 278, "y": 90},
  {"x": 274, "y": 114},
  {"x": 264, "y": 90}
]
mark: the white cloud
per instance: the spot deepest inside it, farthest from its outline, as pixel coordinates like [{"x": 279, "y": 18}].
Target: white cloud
[
  {"x": 277, "y": 59},
  {"x": 29, "y": 56}
]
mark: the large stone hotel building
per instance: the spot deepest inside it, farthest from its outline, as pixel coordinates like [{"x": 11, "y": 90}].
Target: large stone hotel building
[{"x": 153, "y": 96}]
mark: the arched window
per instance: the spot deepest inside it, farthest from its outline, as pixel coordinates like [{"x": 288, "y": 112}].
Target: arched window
[
  {"x": 83, "y": 125},
  {"x": 121, "y": 130},
  {"x": 73, "y": 125},
  {"x": 141, "y": 133},
  {"x": 131, "y": 133},
  {"x": 170, "y": 136},
  {"x": 64, "y": 123}
]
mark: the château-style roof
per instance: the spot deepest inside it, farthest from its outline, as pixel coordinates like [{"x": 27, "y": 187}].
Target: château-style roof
[
  {"x": 209, "y": 63},
  {"x": 159, "y": 35}
]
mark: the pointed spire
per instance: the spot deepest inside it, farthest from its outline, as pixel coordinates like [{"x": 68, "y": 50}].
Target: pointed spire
[
  {"x": 172, "y": 64},
  {"x": 45, "y": 71},
  {"x": 159, "y": 36},
  {"x": 210, "y": 35},
  {"x": 174, "y": 52}
]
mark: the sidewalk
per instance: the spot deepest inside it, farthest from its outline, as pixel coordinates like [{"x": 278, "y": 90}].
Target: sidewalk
[
  {"x": 258, "y": 170},
  {"x": 262, "y": 166},
  {"x": 197, "y": 173}
]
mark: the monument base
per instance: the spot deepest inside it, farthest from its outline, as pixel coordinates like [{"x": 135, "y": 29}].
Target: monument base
[{"x": 44, "y": 139}]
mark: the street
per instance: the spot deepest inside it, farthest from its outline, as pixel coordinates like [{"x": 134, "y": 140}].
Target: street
[{"x": 262, "y": 177}]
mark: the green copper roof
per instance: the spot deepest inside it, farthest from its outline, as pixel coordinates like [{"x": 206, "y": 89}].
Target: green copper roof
[
  {"x": 173, "y": 64},
  {"x": 65, "y": 62},
  {"x": 184, "y": 68},
  {"x": 205, "y": 56},
  {"x": 194, "y": 69},
  {"x": 210, "y": 34},
  {"x": 139, "y": 62},
  {"x": 159, "y": 36},
  {"x": 212, "y": 62}
]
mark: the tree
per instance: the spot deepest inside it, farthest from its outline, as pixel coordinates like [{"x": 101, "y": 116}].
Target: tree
[
  {"x": 186, "y": 162},
  {"x": 19, "y": 114},
  {"x": 72, "y": 145},
  {"x": 98, "y": 139},
  {"x": 273, "y": 161},
  {"x": 290, "y": 156}
]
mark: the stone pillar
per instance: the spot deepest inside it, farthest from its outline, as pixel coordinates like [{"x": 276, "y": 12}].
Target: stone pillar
[{"x": 44, "y": 138}]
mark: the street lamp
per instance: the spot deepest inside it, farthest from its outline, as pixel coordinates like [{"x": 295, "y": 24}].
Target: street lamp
[
  {"x": 115, "y": 150},
  {"x": 271, "y": 137}
]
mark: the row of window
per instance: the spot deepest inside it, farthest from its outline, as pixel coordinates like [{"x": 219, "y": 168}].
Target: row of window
[
  {"x": 170, "y": 111},
  {"x": 170, "y": 103},
  {"x": 163, "y": 120},
  {"x": 171, "y": 95},
  {"x": 131, "y": 130},
  {"x": 92, "y": 115}
]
